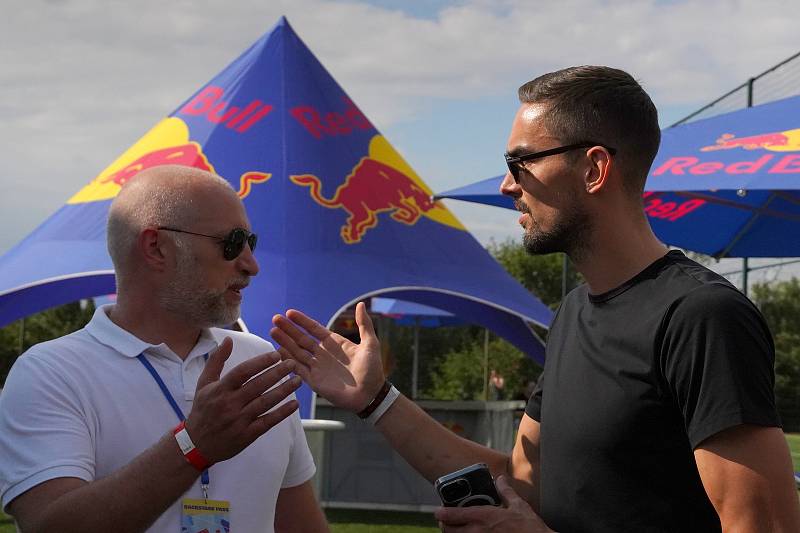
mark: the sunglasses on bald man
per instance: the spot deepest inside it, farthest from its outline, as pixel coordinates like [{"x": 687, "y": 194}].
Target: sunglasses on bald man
[{"x": 232, "y": 243}]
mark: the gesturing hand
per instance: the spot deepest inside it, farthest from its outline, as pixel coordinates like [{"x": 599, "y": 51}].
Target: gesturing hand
[
  {"x": 347, "y": 374},
  {"x": 231, "y": 412},
  {"x": 515, "y": 515}
]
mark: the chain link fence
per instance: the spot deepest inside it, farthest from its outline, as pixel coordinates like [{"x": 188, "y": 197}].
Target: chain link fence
[
  {"x": 775, "y": 83},
  {"x": 779, "y": 81}
]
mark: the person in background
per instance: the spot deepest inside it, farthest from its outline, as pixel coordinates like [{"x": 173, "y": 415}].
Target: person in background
[{"x": 496, "y": 386}]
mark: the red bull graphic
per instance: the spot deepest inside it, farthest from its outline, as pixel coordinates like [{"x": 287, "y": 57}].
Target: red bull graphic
[
  {"x": 372, "y": 187},
  {"x": 248, "y": 179},
  {"x": 656, "y": 207},
  {"x": 331, "y": 123},
  {"x": 209, "y": 104},
  {"x": 779, "y": 141},
  {"x": 788, "y": 164},
  {"x": 166, "y": 144},
  {"x": 189, "y": 155}
]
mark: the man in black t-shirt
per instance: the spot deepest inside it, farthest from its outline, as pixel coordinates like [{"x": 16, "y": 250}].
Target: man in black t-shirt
[
  {"x": 655, "y": 410},
  {"x": 636, "y": 378}
]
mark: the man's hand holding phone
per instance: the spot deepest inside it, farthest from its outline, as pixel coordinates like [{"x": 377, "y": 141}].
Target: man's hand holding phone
[{"x": 514, "y": 514}]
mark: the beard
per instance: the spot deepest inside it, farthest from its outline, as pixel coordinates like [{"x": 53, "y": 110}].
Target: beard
[
  {"x": 570, "y": 233},
  {"x": 197, "y": 305}
]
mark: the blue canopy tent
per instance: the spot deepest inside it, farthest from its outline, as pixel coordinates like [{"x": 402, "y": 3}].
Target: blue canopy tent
[
  {"x": 412, "y": 314},
  {"x": 415, "y": 315},
  {"x": 341, "y": 216},
  {"x": 726, "y": 186}
]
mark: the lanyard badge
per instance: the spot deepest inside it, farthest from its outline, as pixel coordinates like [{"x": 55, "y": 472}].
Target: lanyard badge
[{"x": 197, "y": 516}]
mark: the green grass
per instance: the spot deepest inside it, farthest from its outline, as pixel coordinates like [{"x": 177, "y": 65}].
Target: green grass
[
  {"x": 794, "y": 444},
  {"x": 345, "y": 521},
  {"x": 6, "y": 524},
  {"x": 360, "y": 521}
]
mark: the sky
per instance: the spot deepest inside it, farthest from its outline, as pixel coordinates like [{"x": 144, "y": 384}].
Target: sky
[{"x": 82, "y": 80}]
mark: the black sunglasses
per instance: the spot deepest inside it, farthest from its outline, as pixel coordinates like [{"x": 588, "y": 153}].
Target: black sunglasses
[
  {"x": 232, "y": 243},
  {"x": 515, "y": 162}
]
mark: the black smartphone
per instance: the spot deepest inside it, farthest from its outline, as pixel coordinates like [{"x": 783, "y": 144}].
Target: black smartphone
[{"x": 469, "y": 486}]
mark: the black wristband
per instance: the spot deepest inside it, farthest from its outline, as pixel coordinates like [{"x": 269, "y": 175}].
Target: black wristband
[{"x": 368, "y": 410}]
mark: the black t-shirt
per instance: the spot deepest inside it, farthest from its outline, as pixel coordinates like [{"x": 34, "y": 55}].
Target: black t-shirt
[{"x": 634, "y": 380}]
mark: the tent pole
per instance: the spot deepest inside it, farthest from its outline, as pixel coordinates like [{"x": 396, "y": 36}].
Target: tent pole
[
  {"x": 21, "y": 336},
  {"x": 485, "y": 364},
  {"x": 415, "y": 360},
  {"x": 745, "y": 271},
  {"x": 745, "y": 268}
]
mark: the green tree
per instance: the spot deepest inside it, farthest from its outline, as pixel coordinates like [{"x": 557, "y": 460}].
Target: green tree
[
  {"x": 452, "y": 359},
  {"x": 780, "y": 304},
  {"x": 459, "y": 374},
  {"x": 540, "y": 274},
  {"x": 18, "y": 336}
]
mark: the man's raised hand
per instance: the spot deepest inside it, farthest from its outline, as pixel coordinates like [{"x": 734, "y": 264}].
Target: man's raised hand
[
  {"x": 347, "y": 374},
  {"x": 231, "y": 412}
]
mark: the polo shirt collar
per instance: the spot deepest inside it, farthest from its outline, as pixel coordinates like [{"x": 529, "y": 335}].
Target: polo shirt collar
[{"x": 108, "y": 333}]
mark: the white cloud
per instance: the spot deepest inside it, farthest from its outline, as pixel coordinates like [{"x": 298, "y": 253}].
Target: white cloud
[{"x": 81, "y": 80}]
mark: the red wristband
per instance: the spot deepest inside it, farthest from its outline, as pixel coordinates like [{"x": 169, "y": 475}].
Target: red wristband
[{"x": 192, "y": 454}]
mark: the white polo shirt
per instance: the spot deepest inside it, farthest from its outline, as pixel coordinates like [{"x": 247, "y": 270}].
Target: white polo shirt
[{"x": 84, "y": 406}]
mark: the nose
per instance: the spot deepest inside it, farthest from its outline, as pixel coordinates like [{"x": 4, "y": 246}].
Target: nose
[
  {"x": 246, "y": 262},
  {"x": 509, "y": 187}
]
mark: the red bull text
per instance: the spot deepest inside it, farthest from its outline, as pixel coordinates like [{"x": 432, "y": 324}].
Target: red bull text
[
  {"x": 331, "y": 123},
  {"x": 655, "y": 207},
  {"x": 777, "y": 141},
  {"x": 788, "y": 164},
  {"x": 208, "y": 104}
]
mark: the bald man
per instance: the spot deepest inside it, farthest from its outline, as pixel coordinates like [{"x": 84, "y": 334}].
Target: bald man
[{"x": 151, "y": 418}]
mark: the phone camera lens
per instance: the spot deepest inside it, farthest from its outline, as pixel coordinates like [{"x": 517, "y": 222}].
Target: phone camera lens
[{"x": 455, "y": 490}]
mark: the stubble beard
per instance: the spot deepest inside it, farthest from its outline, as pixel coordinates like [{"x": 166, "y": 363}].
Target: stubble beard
[
  {"x": 570, "y": 233},
  {"x": 188, "y": 298}
]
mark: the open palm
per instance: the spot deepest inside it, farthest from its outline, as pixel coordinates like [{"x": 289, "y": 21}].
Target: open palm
[{"x": 347, "y": 374}]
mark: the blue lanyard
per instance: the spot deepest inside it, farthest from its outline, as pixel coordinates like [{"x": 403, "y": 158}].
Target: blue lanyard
[{"x": 204, "y": 478}]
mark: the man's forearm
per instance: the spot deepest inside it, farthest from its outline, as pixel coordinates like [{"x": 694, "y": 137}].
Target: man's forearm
[
  {"x": 429, "y": 447},
  {"x": 130, "y": 499}
]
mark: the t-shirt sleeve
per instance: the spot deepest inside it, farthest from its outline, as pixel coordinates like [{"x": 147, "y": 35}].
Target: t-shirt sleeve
[
  {"x": 301, "y": 466},
  {"x": 717, "y": 358},
  {"x": 534, "y": 407},
  {"x": 43, "y": 431}
]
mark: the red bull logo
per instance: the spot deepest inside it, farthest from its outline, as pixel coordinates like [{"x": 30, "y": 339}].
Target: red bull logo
[
  {"x": 781, "y": 141},
  {"x": 208, "y": 104},
  {"x": 189, "y": 155},
  {"x": 371, "y": 188},
  {"x": 331, "y": 123},
  {"x": 166, "y": 144},
  {"x": 656, "y": 207}
]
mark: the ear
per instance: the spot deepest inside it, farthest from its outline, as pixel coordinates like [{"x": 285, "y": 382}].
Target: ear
[
  {"x": 152, "y": 249},
  {"x": 598, "y": 170}
]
